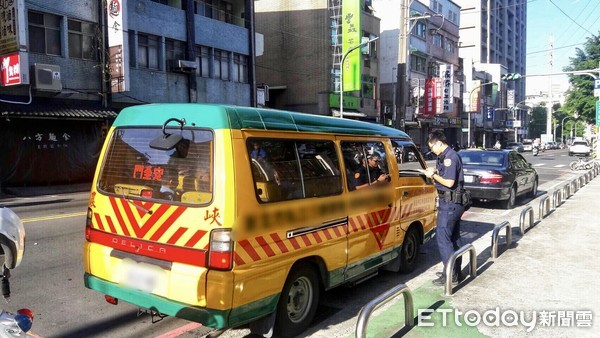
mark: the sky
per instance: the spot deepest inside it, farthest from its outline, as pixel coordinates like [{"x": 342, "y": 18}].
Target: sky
[{"x": 570, "y": 22}]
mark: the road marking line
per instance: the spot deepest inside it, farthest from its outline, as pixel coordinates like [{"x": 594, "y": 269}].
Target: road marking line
[
  {"x": 45, "y": 218},
  {"x": 539, "y": 164},
  {"x": 559, "y": 165},
  {"x": 180, "y": 330}
]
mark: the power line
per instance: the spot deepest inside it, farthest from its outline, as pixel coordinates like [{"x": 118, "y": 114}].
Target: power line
[{"x": 567, "y": 15}]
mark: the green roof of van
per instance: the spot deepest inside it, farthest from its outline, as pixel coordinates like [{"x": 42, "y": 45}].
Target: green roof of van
[{"x": 235, "y": 117}]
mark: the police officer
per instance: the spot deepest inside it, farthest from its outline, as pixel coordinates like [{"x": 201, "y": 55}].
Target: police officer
[
  {"x": 448, "y": 179},
  {"x": 375, "y": 175}
]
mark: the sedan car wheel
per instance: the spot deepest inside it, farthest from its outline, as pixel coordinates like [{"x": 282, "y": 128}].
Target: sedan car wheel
[
  {"x": 510, "y": 202},
  {"x": 533, "y": 192}
]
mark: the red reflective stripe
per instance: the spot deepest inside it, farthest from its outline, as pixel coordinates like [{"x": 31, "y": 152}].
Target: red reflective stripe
[
  {"x": 295, "y": 243},
  {"x": 327, "y": 234},
  {"x": 99, "y": 221},
  {"x": 120, "y": 220},
  {"x": 353, "y": 225},
  {"x": 195, "y": 238},
  {"x": 279, "y": 243},
  {"x": 177, "y": 235},
  {"x": 362, "y": 224},
  {"x": 306, "y": 240},
  {"x": 265, "y": 246},
  {"x": 111, "y": 225},
  {"x": 167, "y": 224},
  {"x": 337, "y": 231},
  {"x": 317, "y": 237},
  {"x": 249, "y": 250},
  {"x": 237, "y": 259},
  {"x": 140, "y": 247}
]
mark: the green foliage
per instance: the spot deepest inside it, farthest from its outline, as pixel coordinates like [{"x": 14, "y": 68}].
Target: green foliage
[
  {"x": 580, "y": 98},
  {"x": 537, "y": 122}
]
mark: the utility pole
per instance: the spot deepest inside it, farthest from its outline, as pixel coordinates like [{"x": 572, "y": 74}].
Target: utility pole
[
  {"x": 549, "y": 115},
  {"x": 403, "y": 59}
]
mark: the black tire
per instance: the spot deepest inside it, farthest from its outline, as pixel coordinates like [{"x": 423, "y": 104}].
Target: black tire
[
  {"x": 298, "y": 302},
  {"x": 534, "y": 189},
  {"x": 510, "y": 202},
  {"x": 570, "y": 154},
  {"x": 409, "y": 253},
  {"x": 573, "y": 165}
]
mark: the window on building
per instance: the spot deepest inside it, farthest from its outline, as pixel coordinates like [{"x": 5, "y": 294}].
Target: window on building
[
  {"x": 420, "y": 29},
  {"x": 82, "y": 42},
  {"x": 240, "y": 68},
  {"x": 215, "y": 9},
  {"x": 418, "y": 63},
  {"x": 203, "y": 60},
  {"x": 148, "y": 51},
  {"x": 44, "y": 33},
  {"x": 437, "y": 40},
  {"x": 172, "y": 3},
  {"x": 174, "y": 50},
  {"x": 449, "y": 45},
  {"x": 368, "y": 87},
  {"x": 221, "y": 64}
]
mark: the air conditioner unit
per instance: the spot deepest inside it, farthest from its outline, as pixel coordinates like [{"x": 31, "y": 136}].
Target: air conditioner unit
[
  {"x": 46, "y": 77},
  {"x": 183, "y": 66}
]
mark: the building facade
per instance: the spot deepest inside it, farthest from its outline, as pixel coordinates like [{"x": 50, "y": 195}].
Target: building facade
[
  {"x": 66, "y": 79},
  {"x": 495, "y": 32},
  {"x": 421, "y": 79},
  {"x": 302, "y": 56}
]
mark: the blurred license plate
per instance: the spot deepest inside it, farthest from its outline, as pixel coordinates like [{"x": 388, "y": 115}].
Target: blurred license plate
[
  {"x": 469, "y": 179},
  {"x": 141, "y": 277}
]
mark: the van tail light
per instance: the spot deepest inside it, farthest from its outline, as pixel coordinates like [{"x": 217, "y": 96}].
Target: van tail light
[
  {"x": 220, "y": 254},
  {"x": 146, "y": 193},
  {"x": 490, "y": 178},
  {"x": 88, "y": 223},
  {"x": 112, "y": 300}
]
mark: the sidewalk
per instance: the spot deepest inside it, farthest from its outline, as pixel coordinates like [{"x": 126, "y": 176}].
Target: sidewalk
[
  {"x": 12, "y": 194},
  {"x": 548, "y": 279}
]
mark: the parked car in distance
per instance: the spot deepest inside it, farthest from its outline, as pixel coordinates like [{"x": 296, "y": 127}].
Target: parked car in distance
[
  {"x": 501, "y": 175},
  {"x": 580, "y": 148},
  {"x": 527, "y": 145},
  {"x": 518, "y": 146}
]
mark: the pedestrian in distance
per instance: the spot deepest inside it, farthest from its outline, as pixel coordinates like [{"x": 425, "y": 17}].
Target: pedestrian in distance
[
  {"x": 497, "y": 145},
  {"x": 449, "y": 180}
]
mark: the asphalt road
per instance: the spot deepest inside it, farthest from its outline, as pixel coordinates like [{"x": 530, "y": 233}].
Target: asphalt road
[{"x": 50, "y": 278}]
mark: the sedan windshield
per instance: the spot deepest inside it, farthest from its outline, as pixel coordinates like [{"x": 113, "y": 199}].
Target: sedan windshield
[{"x": 494, "y": 159}]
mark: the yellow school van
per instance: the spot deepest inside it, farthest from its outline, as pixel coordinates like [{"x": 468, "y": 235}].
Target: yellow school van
[{"x": 228, "y": 215}]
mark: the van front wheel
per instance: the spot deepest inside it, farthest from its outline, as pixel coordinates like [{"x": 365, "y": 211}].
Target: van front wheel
[
  {"x": 298, "y": 302},
  {"x": 410, "y": 251}
]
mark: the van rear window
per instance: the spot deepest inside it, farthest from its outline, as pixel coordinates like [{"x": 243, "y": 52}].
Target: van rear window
[{"x": 183, "y": 174}]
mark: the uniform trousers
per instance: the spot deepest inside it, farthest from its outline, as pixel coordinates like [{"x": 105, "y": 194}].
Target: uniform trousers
[{"x": 448, "y": 231}]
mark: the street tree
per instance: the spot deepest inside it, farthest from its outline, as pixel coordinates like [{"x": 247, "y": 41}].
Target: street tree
[{"x": 580, "y": 98}]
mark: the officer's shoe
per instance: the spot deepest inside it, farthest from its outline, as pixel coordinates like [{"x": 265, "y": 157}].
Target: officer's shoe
[{"x": 441, "y": 281}]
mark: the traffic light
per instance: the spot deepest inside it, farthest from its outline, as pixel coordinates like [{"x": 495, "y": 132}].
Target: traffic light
[{"x": 511, "y": 76}]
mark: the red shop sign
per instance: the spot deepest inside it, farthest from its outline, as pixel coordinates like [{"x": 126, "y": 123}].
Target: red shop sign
[{"x": 10, "y": 67}]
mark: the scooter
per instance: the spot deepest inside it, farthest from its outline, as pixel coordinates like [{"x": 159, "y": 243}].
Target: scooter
[
  {"x": 12, "y": 246},
  {"x": 535, "y": 151}
]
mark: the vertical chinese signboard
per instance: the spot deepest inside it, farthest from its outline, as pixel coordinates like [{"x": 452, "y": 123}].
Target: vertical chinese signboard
[
  {"x": 351, "y": 37},
  {"x": 12, "y": 26},
  {"x": 117, "y": 28},
  {"x": 429, "y": 100},
  {"x": 447, "y": 74},
  {"x": 475, "y": 97}
]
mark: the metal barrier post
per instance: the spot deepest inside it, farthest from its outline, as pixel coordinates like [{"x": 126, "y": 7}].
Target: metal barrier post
[
  {"x": 528, "y": 210},
  {"x": 452, "y": 260},
  {"x": 566, "y": 190},
  {"x": 581, "y": 181},
  {"x": 367, "y": 310},
  {"x": 575, "y": 184},
  {"x": 556, "y": 198},
  {"x": 544, "y": 205},
  {"x": 495, "y": 234}
]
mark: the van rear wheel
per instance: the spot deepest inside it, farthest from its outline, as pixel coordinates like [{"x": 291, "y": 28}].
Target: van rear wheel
[{"x": 298, "y": 302}]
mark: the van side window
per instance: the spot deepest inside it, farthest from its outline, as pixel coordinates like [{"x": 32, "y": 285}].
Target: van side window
[
  {"x": 356, "y": 157},
  {"x": 292, "y": 169},
  {"x": 408, "y": 158}
]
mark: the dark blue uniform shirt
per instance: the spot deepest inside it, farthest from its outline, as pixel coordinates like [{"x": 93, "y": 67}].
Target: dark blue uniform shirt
[{"x": 449, "y": 166}]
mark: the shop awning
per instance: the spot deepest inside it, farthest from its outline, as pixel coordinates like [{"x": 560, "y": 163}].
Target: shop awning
[{"x": 65, "y": 111}]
